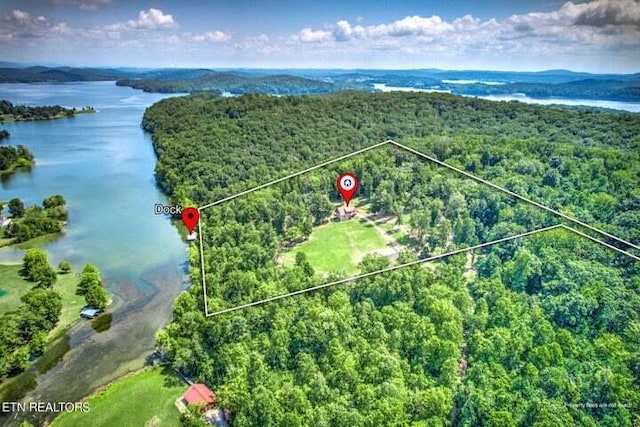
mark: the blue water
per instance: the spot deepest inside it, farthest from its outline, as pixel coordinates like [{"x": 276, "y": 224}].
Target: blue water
[{"x": 103, "y": 165}]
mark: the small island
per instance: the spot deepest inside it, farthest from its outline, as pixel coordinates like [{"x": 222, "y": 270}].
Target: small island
[
  {"x": 17, "y": 113},
  {"x": 13, "y": 159}
]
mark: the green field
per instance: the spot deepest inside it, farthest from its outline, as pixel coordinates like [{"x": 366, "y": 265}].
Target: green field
[
  {"x": 13, "y": 287},
  {"x": 338, "y": 246},
  {"x": 143, "y": 399},
  {"x": 71, "y": 303}
]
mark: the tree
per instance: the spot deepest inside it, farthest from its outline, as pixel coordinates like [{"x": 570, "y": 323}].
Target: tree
[
  {"x": 96, "y": 296},
  {"x": 42, "y": 311},
  {"x": 53, "y": 201},
  {"x": 32, "y": 261},
  {"x": 37, "y": 269},
  {"x": 303, "y": 263},
  {"x": 64, "y": 267},
  {"x": 16, "y": 208},
  {"x": 90, "y": 268},
  {"x": 89, "y": 276},
  {"x": 320, "y": 207},
  {"x": 46, "y": 277},
  {"x": 91, "y": 287}
]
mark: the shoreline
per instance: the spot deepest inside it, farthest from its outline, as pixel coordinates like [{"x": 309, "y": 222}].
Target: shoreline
[
  {"x": 21, "y": 165},
  {"x": 69, "y": 114}
]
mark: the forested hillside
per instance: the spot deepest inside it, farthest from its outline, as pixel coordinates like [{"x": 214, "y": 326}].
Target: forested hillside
[
  {"x": 538, "y": 331},
  {"x": 237, "y": 84},
  {"x": 10, "y": 112}
]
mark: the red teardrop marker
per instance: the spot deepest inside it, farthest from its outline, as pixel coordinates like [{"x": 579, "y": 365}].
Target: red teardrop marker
[
  {"x": 190, "y": 217},
  {"x": 347, "y": 186}
]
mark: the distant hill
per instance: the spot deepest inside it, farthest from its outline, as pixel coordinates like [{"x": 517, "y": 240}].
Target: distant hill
[
  {"x": 543, "y": 84},
  {"x": 39, "y": 74},
  {"x": 237, "y": 84}
]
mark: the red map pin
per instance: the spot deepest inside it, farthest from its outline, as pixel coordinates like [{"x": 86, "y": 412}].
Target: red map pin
[
  {"x": 347, "y": 186},
  {"x": 190, "y": 217}
]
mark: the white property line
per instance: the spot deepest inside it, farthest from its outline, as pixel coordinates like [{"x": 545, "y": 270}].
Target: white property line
[
  {"x": 432, "y": 159},
  {"x": 593, "y": 239},
  {"x": 511, "y": 193},
  {"x": 202, "y": 272},
  {"x": 384, "y": 270}
]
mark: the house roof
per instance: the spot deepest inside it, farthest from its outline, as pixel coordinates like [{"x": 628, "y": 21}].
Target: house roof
[
  {"x": 90, "y": 311},
  {"x": 345, "y": 210},
  {"x": 199, "y": 394}
]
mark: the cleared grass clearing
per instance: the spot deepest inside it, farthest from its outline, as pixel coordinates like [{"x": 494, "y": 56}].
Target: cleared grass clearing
[
  {"x": 144, "y": 398},
  {"x": 338, "y": 246},
  {"x": 12, "y": 287}
]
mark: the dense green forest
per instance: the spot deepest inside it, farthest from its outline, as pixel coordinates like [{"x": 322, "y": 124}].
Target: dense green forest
[
  {"x": 12, "y": 158},
  {"x": 236, "y": 84},
  {"x": 29, "y": 222},
  {"x": 539, "y": 331},
  {"x": 10, "y": 112}
]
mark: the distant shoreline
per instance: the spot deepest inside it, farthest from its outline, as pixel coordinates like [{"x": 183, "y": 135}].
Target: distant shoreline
[{"x": 67, "y": 113}]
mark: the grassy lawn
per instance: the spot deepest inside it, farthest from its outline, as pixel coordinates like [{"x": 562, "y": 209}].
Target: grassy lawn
[
  {"x": 338, "y": 246},
  {"x": 71, "y": 303},
  {"x": 13, "y": 286},
  {"x": 144, "y": 398}
]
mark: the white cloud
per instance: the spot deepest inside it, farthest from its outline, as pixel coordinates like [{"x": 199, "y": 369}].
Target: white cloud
[
  {"x": 20, "y": 16},
  {"x": 414, "y": 26},
  {"x": 307, "y": 35},
  {"x": 84, "y": 4},
  {"x": 20, "y": 25},
  {"x": 577, "y": 29},
  {"x": 343, "y": 31},
  {"x": 211, "y": 36},
  {"x": 152, "y": 19}
]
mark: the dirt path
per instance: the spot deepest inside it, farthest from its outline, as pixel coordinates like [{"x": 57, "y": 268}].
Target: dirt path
[{"x": 393, "y": 247}]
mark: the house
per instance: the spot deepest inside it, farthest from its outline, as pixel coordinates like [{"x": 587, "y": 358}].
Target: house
[
  {"x": 199, "y": 395},
  {"x": 344, "y": 213}
]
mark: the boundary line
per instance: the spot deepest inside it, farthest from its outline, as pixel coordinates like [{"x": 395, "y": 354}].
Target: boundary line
[
  {"x": 593, "y": 239},
  {"x": 384, "y": 270},
  {"x": 202, "y": 272},
  {"x": 512, "y": 194},
  {"x": 424, "y": 260}
]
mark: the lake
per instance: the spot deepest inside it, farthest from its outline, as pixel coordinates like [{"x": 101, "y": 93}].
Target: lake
[{"x": 103, "y": 165}]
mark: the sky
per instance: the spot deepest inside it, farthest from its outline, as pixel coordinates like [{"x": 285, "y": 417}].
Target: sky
[{"x": 520, "y": 35}]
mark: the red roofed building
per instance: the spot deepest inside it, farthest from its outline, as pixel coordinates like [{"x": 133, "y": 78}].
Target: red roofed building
[{"x": 199, "y": 395}]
